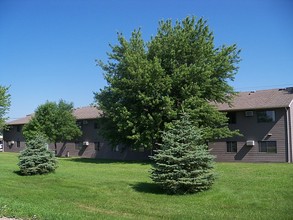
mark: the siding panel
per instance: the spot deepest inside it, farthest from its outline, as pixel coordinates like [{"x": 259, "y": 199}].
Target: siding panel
[
  {"x": 90, "y": 134},
  {"x": 252, "y": 130}
]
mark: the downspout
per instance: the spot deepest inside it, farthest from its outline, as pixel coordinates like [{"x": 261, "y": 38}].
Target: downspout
[{"x": 289, "y": 133}]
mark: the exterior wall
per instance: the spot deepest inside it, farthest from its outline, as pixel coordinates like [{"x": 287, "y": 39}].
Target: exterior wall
[
  {"x": 105, "y": 151},
  {"x": 97, "y": 147},
  {"x": 280, "y": 130},
  {"x": 252, "y": 130},
  {"x": 13, "y": 134}
]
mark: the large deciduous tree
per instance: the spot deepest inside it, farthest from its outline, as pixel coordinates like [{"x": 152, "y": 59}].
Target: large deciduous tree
[
  {"x": 55, "y": 121},
  {"x": 4, "y": 105},
  {"x": 149, "y": 83}
]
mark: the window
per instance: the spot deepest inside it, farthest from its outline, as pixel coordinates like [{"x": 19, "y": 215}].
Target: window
[
  {"x": 78, "y": 145},
  {"x": 79, "y": 124},
  {"x": 231, "y": 146},
  {"x": 18, "y": 143},
  {"x": 266, "y": 116},
  {"x": 267, "y": 146},
  {"x": 97, "y": 146},
  {"x": 248, "y": 113},
  {"x": 231, "y": 117},
  {"x": 96, "y": 125},
  {"x": 18, "y": 128},
  {"x": 115, "y": 149},
  {"x": 141, "y": 149}
]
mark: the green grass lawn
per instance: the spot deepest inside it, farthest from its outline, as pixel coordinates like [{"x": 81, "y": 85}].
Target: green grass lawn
[{"x": 90, "y": 189}]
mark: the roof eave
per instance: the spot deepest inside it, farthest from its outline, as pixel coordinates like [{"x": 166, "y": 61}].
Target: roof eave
[{"x": 249, "y": 109}]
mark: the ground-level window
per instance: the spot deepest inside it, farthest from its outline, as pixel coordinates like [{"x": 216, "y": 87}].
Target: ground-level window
[
  {"x": 97, "y": 146},
  {"x": 268, "y": 146},
  {"x": 266, "y": 116},
  {"x": 231, "y": 146},
  {"x": 78, "y": 145},
  {"x": 115, "y": 148}
]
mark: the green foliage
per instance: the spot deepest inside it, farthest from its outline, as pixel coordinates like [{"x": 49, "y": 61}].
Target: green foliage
[
  {"x": 184, "y": 163},
  {"x": 4, "y": 105},
  {"x": 53, "y": 120},
  {"x": 149, "y": 83},
  {"x": 36, "y": 158}
]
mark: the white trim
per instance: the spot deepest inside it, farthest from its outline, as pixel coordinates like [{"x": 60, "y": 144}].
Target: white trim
[
  {"x": 291, "y": 103},
  {"x": 291, "y": 132},
  {"x": 289, "y": 123}
]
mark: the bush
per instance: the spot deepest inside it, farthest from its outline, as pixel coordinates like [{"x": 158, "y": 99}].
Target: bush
[
  {"x": 36, "y": 158},
  {"x": 184, "y": 163}
]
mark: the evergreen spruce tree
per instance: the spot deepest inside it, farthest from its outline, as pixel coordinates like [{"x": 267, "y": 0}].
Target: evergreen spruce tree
[
  {"x": 36, "y": 158},
  {"x": 183, "y": 164}
]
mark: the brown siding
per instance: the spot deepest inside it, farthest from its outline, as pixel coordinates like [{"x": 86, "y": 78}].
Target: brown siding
[
  {"x": 252, "y": 130},
  {"x": 105, "y": 151},
  {"x": 90, "y": 134},
  {"x": 248, "y": 126},
  {"x": 13, "y": 135}
]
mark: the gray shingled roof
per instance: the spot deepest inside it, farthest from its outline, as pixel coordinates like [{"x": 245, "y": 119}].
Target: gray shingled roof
[
  {"x": 88, "y": 112},
  {"x": 263, "y": 99},
  {"x": 20, "y": 121}
]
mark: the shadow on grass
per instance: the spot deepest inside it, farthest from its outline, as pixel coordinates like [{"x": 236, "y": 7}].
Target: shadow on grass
[
  {"x": 151, "y": 188},
  {"x": 103, "y": 161},
  {"x": 17, "y": 172}
]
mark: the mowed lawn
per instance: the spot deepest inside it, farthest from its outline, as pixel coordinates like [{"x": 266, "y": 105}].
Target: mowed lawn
[{"x": 90, "y": 189}]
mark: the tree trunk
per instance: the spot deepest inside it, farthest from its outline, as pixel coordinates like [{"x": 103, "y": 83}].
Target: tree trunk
[{"x": 55, "y": 148}]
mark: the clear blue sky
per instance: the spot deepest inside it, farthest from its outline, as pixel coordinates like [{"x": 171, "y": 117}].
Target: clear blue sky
[{"x": 48, "y": 47}]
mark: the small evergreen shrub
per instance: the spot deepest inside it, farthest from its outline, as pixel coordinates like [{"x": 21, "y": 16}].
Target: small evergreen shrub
[
  {"x": 36, "y": 158},
  {"x": 183, "y": 164}
]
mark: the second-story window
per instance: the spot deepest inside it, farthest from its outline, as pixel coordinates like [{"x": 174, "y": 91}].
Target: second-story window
[
  {"x": 266, "y": 116},
  {"x": 96, "y": 125},
  {"x": 231, "y": 117},
  {"x": 79, "y": 124}
]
